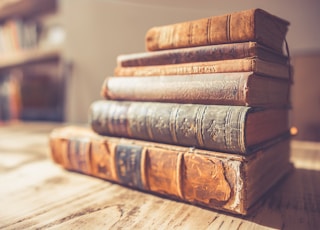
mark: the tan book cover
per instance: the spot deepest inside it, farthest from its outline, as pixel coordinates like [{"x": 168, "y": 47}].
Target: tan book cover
[
  {"x": 255, "y": 65},
  {"x": 249, "y": 25},
  {"x": 213, "y": 180},
  {"x": 202, "y": 54},
  {"x": 243, "y": 88}
]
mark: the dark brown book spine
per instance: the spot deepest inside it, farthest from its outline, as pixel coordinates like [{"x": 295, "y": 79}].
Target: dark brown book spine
[
  {"x": 211, "y": 127},
  {"x": 215, "y": 180},
  {"x": 244, "y": 88},
  {"x": 250, "y": 25},
  {"x": 201, "y": 54},
  {"x": 223, "y": 66}
]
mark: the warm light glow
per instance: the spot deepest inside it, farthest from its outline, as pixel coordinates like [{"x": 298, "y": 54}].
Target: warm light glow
[{"x": 294, "y": 130}]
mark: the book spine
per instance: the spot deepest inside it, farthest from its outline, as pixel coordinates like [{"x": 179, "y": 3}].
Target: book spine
[
  {"x": 223, "y": 89},
  {"x": 229, "y": 28},
  {"x": 198, "y": 178},
  {"x": 211, "y": 127},
  {"x": 222, "y": 66},
  {"x": 191, "y": 54}
]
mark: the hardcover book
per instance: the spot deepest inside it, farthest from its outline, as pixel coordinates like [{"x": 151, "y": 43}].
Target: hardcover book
[
  {"x": 243, "y": 88},
  {"x": 223, "y": 66},
  {"x": 202, "y": 54},
  {"x": 214, "y": 180},
  {"x": 250, "y": 25},
  {"x": 234, "y": 129}
]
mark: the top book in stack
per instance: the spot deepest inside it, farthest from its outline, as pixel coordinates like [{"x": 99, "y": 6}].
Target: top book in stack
[{"x": 249, "y": 25}]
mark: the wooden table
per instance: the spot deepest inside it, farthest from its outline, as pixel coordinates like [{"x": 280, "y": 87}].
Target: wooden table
[{"x": 37, "y": 194}]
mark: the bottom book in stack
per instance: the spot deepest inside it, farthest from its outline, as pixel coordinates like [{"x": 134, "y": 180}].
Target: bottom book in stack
[{"x": 215, "y": 180}]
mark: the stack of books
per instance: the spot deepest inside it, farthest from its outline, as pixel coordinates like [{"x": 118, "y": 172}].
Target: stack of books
[{"x": 201, "y": 117}]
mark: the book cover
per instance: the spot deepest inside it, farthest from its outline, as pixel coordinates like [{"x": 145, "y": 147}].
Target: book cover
[
  {"x": 234, "y": 129},
  {"x": 243, "y": 88},
  {"x": 214, "y": 180},
  {"x": 223, "y": 66},
  {"x": 249, "y": 25},
  {"x": 202, "y": 54}
]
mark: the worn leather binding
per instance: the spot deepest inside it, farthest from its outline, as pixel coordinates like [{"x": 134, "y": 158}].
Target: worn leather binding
[
  {"x": 214, "y": 180},
  {"x": 249, "y": 25},
  {"x": 243, "y": 88},
  {"x": 202, "y": 54},
  {"x": 234, "y": 129},
  {"x": 223, "y": 66}
]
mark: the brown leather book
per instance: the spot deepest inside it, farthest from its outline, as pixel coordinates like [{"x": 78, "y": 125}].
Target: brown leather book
[
  {"x": 243, "y": 88},
  {"x": 202, "y": 54},
  {"x": 223, "y": 66},
  {"x": 249, "y": 25},
  {"x": 235, "y": 129},
  {"x": 214, "y": 180}
]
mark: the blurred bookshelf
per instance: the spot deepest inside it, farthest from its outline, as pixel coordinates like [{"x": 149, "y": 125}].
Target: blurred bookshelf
[
  {"x": 25, "y": 8},
  {"x": 32, "y": 69},
  {"x": 22, "y": 57}
]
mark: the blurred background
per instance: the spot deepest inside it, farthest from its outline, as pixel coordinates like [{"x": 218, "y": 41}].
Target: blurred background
[{"x": 55, "y": 54}]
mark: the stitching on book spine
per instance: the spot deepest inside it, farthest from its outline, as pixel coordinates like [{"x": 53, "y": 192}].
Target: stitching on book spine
[
  {"x": 143, "y": 165},
  {"x": 199, "y": 124},
  {"x": 190, "y": 33},
  {"x": 149, "y": 120},
  {"x": 179, "y": 175},
  {"x": 209, "y": 22},
  {"x": 228, "y": 27},
  {"x": 173, "y": 124}
]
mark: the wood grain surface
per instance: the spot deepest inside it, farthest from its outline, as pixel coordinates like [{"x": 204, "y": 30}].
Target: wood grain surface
[{"x": 37, "y": 194}]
